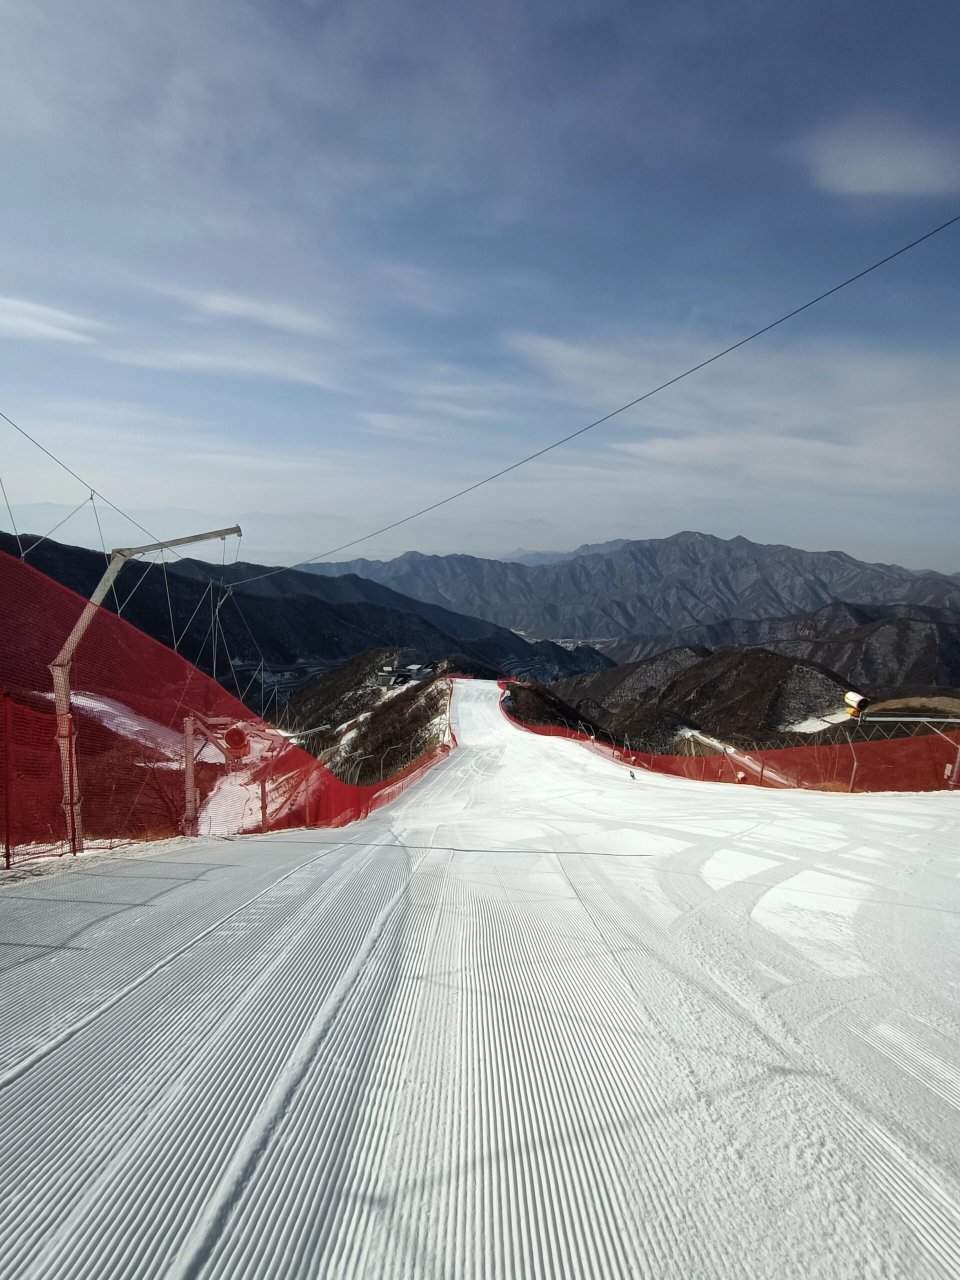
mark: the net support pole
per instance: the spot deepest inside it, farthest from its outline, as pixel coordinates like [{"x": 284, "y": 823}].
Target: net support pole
[
  {"x": 7, "y": 783},
  {"x": 66, "y": 735},
  {"x": 60, "y": 670},
  {"x": 66, "y": 745},
  {"x": 189, "y": 779}
]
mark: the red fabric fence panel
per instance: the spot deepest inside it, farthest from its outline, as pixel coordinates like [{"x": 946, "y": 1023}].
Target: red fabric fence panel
[
  {"x": 927, "y": 762},
  {"x": 31, "y": 786},
  {"x": 131, "y": 698}
]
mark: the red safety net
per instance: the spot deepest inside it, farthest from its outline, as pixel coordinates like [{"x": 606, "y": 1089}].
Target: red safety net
[
  {"x": 927, "y": 762},
  {"x": 131, "y": 700}
]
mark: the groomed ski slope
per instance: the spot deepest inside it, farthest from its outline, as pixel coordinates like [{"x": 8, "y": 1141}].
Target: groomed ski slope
[{"x": 534, "y": 1019}]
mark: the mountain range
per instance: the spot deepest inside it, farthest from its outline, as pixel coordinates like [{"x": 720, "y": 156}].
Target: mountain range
[
  {"x": 872, "y": 646},
  {"x": 743, "y": 594},
  {"x": 734, "y": 693},
  {"x": 652, "y": 587},
  {"x": 522, "y": 556},
  {"x": 291, "y": 618}
]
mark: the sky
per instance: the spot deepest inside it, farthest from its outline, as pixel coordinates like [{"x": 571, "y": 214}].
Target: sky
[{"x": 311, "y": 266}]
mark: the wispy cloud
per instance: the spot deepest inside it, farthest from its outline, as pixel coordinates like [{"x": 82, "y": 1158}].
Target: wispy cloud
[
  {"x": 270, "y": 314},
  {"x": 33, "y": 322},
  {"x": 329, "y": 227},
  {"x": 832, "y": 417},
  {"x": 867, "y": 459},
  {"x": 874, "y": 154},
  {"x": 403, "y": 427},
  {"x": 245, "y": 362},
  {"x": 455, "y": 291},
  {"x": 599, "y": 373},
  {"x": 419, "y": 288}
]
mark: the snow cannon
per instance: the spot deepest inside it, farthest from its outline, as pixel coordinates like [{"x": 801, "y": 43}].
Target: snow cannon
[
  {"x": 236, "y": 743},
  {"x": 856, "y": 704}
]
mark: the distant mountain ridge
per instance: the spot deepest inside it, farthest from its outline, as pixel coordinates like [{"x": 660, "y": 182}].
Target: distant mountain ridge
[
  {"x": 653, "y": 587},
  {"x": 735, "y": 693},
  {"x": 870, "y": 645},
  {"x": 520, "y": 556},
  {"x": 291, "y": 617}
]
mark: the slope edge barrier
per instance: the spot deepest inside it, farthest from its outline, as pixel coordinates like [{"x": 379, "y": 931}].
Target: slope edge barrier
[
  {"x": 926, "y": 762},
  {"x": 122, "y": 758}
]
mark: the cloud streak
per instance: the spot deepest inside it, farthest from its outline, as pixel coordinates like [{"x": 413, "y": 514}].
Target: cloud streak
[
  {"x": 32, "y": 322},
  {"x": 281, "y": 316},
  {"x": 876, "y": 154},
  {"x": 370, "y": 254},
  {"x": 276, "y": 364}
]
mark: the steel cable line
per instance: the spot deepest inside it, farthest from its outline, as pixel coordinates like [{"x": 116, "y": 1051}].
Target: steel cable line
[
  {"x": 69, "y": 470},
  {"x": 670, "y": 382},
  {"x": 33, "y": 545},
  {"x": 256, "y": 644},
  {"x": 93, "y": 493},
  {"x": 539, "y": 453},
  {"x": 183, "y": 633},
  {"x": 150, "y": 773},
  {"x": 13, "y": 523},
  {"x": 146, "y": 565},
  {"x": 166, "y": 586},
  {"x": 106, "y": 553}
]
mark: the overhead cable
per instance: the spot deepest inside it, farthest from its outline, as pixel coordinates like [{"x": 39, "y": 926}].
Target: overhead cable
[
  {"x": 33, "y": 545},
  {"x": 166, "y": 585},
  {"x": 146, "y": 566},
  {"x": 106, "y": 553},
  {"x": 178, "y": 642},
  {"x": 13, "y": 523},
  {"x": 93, "y": 493},
  {"x": 670, "y": 382},
  {"x": 531, "y": 457}
]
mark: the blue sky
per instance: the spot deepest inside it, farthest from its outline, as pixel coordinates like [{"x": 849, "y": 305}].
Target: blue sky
[{"x": 311, "y": 266}]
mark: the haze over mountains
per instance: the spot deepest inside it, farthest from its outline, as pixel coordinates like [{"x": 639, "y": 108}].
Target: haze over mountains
[
  {"x": 292, "y": 617},
  {"x": 520, "y": 556},
  {"x": 874, "y": 626},
  {"x": 653, "y": 587}
]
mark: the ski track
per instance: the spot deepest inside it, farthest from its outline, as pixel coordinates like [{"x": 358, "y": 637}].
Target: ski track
[{"x": 531, "y": 1019}]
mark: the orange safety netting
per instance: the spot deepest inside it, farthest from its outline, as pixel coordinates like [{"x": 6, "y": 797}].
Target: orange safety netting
[{"x": 130, "y": 705}]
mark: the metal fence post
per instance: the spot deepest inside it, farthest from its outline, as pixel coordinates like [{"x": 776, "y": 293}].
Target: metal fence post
[
  {"x": 385, "y": 754},
  {"x": 7, "y": 781},
  {"x": 75, "y": 829},
  {"x": 853, "y": 772},
  {"x": 189, "y": 779}
]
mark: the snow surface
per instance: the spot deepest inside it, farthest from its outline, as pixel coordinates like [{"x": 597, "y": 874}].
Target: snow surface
[
  {"x": 741, "y": 760},
  {"x": 120, "y": 719},
  {"x": 532, "y": 1019},
  {"x": 128, "y": 724},
  {"x": 812, "y": 724}
]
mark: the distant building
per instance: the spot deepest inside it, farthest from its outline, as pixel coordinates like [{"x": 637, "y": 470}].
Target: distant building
[{"x": 394, "y": 674}]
